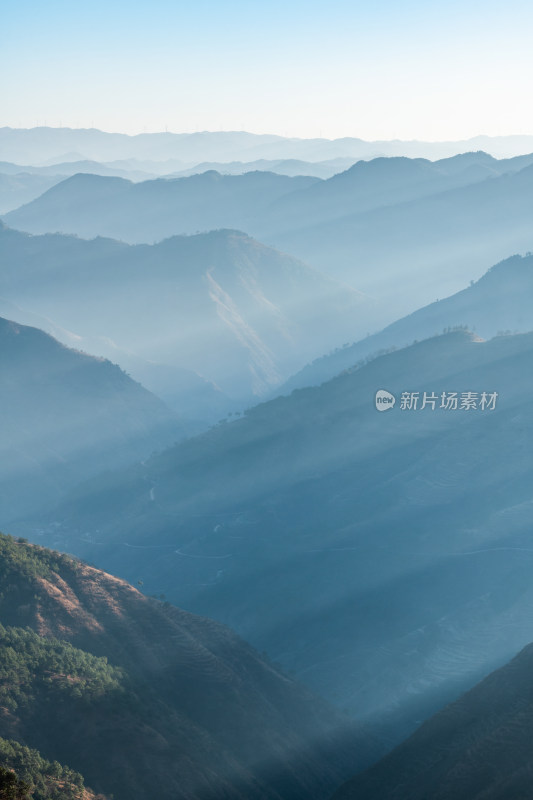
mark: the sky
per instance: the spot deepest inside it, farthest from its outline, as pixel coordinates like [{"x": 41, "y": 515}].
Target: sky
[{"x": 386, "y": 70}]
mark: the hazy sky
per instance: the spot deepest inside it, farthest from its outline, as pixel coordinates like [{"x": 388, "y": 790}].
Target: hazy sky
[{"x": 381, "y": 70}]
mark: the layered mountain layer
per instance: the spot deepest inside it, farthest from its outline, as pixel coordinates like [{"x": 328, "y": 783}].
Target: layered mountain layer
[{"x": 241, "y": 315}]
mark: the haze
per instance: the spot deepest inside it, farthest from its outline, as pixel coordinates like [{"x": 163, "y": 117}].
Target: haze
[
  {"x": 407, "y": 70},
  {"x": 227, "y": 230}
]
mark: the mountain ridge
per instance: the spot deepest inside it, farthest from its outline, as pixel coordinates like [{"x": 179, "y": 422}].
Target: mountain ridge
[
  {"x": 432, "y": 245},
  {"x": 426, "y": 227},
  {"x": 41, "y": 143},
  {"x": 94, "y": 205}
]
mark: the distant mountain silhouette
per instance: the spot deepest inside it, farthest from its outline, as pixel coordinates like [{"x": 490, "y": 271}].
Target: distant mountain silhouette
[
  {"x": 410, "y": 253},
  {"x": 258, "y": 202},
  {"x": 240, "y": 314},
  {"x": 384, "y": 557},
  {"x": 382, "y": 182},
  {"x": 283, "y": 166},
  {"x": 478, "y": 748},
  {"x": 91, "y": 205},
  {"x": 36, "y": 145},
  {"x": 405, "y": 231}
]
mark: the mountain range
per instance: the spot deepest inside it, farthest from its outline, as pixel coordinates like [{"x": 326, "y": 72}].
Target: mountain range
[
  {"x": 409, "y": 253},
  {"x": 316, "y": 475},
  {"x": 36, "y": 145},
  {"x": 259, "y": 202},
  {"x": 292, "y": 167},
  {"x": 381, "y": 556},
  {"x": 146, "y": 212},
  {"x": 20, "y": 184},
  {"x": 404, "y": 231},
  {"x": 241, "y": 315},
  {"x": 499, "y": 302},
  {"x": 380, "y": 182}
]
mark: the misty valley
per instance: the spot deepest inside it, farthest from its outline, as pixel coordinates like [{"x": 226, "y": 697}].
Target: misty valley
[{"x": 266, "y": 474}]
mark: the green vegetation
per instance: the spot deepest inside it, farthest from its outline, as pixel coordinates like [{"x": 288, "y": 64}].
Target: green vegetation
[
  {"x": 35, "y": 668},
  {"x": 38, "y": 673},
  {"x": 28, "y": 774},
  {"x": 11, "y": 788},
  {"x": 181, "y": 709},
  {"x": 43, "y": 677},
  {"x": 28, "y": 561}
]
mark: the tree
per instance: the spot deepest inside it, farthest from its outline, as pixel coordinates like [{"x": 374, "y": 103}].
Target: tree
[{"x": 11, "y": 788}]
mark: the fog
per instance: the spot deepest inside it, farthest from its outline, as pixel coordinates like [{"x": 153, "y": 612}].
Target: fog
[{"x": 194, "y": 409}]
